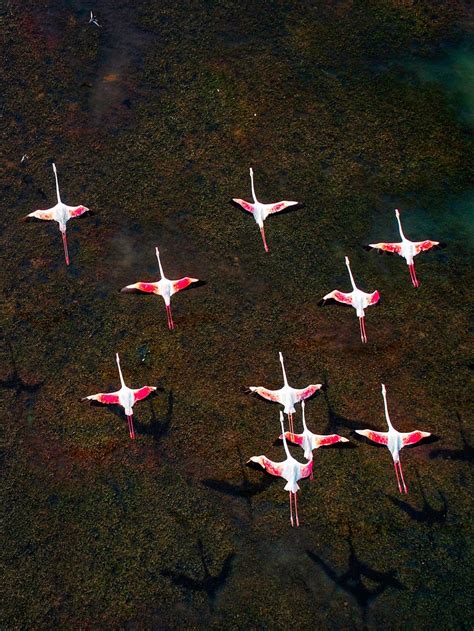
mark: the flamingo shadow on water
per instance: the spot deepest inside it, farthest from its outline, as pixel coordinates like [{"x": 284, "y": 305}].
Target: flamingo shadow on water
[
  {"x": 351, "y": 580},
  {"x": 159, "y": 427},
  {"x": 427, "y": 514},
  {"x": 210, "y": 584},
  {"x": 246, "y": 490},
  {"x": 14, "y": 380},
  {"x": 336, "y": 420},
  {"x": 466, "y": 454}
]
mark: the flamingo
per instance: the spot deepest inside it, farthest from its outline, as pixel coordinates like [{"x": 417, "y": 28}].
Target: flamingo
[
  {"x": 356, "y": 298},
  {"x": 164, "y": 287},
  {"x": 290, "y": 469},
  {"x": 125, "y": 397},
  {"x": 60, "y": 213},
  {"x": 394, "y": 441},
  {"x": 408, "y": 249},
  {"x": 261, "y": 211},
  {"x": 309, "y": 441},
  {"x": 286, "y": 396}
]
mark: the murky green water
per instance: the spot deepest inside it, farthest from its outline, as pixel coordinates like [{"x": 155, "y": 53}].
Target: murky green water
[{"x": 153, "y": 122}]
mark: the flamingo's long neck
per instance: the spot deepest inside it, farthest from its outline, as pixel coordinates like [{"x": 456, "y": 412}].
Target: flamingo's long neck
[
  {"x": 285, "y": 445},
  {"x": 253, "y": 188},
  {"x": 285, "y": 380},
  {"x": 384, "y": 394},
  {"x": 159, "y": 263},
  {"x": 350, "y": 274},
  {"x": 122, "y": 382},
  {"x": 57, "y": 183},
  {"x": 397, "y": 214},
  {"x": 304, "y": 417}
]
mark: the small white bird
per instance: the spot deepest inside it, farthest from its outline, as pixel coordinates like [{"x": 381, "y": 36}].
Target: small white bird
[
  {"x": 356, "y": 298},
  {"x": 408, "y": 249},
  {"x": 261, "y": 211},
  {"x": 394, "y": 441},
  {"x": 60, "y": 213},
  {"x": 93, "y": 20},
  {"x": 286, "y": 395},
  {"x": 126, "y": 397}
]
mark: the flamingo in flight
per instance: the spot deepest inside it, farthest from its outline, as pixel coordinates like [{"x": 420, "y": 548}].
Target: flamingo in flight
[
  {"x": 286, "y": 395},
  {"x": 125, "y": 397},
  {"x": 261, "y": 211},
  {"x": 309, "y": 441},
  {"x": 290, "y": 469},
  {"x": 408, "y": 249},
  {"x": 356, "y": 298},
  {"x": 60, "y": 213},
  {"x": 394, "y": 441},
  {"x": 164, "y": 287}
]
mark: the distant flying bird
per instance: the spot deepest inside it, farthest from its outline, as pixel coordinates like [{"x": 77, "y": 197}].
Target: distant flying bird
[
  {"x": 290, "y": 470},
  {"x": 261, "y": 211},
  {"x": 125, "y": 397},
  {"x": 93, "y": 20},
  {"x": 309, "y": 441},
  {"x": 286, "y": 395},
  {"x": 394, "y": 441},
  {"x": 60, "y": 213},
  {"x": 408, "y": 249},
  {"x": 164, "y": 288},
  {"x": 356, "y": 298}
]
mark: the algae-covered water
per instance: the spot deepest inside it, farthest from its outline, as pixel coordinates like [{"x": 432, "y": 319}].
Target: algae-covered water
[{"x": 153, "y": 120}]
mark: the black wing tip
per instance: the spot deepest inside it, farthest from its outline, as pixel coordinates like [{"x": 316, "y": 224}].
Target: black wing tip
[
  {"x": 368, "y": 248},
  {"x": 321, "y": 303}
]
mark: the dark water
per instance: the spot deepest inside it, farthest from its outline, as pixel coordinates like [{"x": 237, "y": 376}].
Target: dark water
[{"x": 153, "y": 122}]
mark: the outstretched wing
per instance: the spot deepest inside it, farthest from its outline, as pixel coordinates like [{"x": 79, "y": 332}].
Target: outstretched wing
[
  {"x": 410, "y": 438},
  {"x": 102, "y": 397},
  {"x": 279, "y": 206},
  {"x": 306, "y": 469},
  {"x": 423, "y": 246},
  {"x": 270, "y": 395},
  {"x": 149, "y": 288},
  {"x": 372, "y": 299},
  {"x": 329, "y": 439},
  {"x": 339, "y": 296},
  {"x": 142, "y": 393},
  {"x": 47, "y": 215},
  {"x": 77, "y": 211},
  {"x": 245, "y": 205},
  {"x": 297, "y": 439},
  {"x": 392, "y": 248},
  {"x": 274, "y": 468},
  {"x": 182, "y": 283},
  {"x": 377, "y": 437},
  {"x": 305, "y": 393}
]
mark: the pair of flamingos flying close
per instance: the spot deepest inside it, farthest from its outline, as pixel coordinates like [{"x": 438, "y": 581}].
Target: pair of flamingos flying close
[
  {"x": 166, "y": 288},
  {"x": 292, "y": 470}
]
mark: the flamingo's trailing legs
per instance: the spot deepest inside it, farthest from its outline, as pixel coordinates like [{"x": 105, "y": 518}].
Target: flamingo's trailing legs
[
  {"x": 60, "y": 213},
  {"x": 290, "y": 469},
  {"x": 126, "y": 397},
  {"x": 356, "y": 298},
  {"x": 408, "y": 249},
  {"x": 261, "y": 211},
  {"x": 394, "y": 441},
  {"x": 309, "y": 441},
  {"x": 286, "y": 396},
  {"x": 164, "y": 288}
]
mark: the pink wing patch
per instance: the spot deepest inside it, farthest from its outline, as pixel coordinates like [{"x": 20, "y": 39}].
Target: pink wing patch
[
  {"x": 111, "y": 398},
  {"x": 323, "y": 441},
  {"x": 274, "y": 468},
  {"x": 182, "y": 283},
  {"x": 41, "y": 214},
  {"x": 297, "y": 439},
  {"x": 77, "y": 212},
  {"x": 377, "y": 437},
  {"x": 304, "y": 393},
  {"x": 280, "y": 206},
  {"x": 142, "y": 393},
  {"x": 270, "y": 395},
  {"x": 396, "y": 248},
  {"x": 374, "y": 298},
  {"x": 413, "y": 437},
  {"x": 342, "y": 297},
  {"x": 306, "y": 469},
  {"x": 425, "y": 245},
  {"x": 149, "y": 288},
  {"x": 245, "y": 205}
]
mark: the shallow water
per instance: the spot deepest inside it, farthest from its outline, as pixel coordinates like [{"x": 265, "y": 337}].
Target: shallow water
[{"x": 153, "y": 122}]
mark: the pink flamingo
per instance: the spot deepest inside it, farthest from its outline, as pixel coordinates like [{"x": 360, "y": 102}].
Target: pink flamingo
[
  {"x": 286, "y": 395},
  {"x": 394, "y": 441},
  {"x": 290, "y": 469},
  {"x": 164, "y": 287},
  {"x": 356, "y": 298},
  {"x": 261, "y": 211},
  {"x": 60, "y": 213},
  {"x": 125, "y": 397},
  {"x": 408, "y": 249},
  {"x": 309, "y": 441}
]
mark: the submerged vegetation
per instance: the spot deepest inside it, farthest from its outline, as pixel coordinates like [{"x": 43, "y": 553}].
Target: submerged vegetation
[{"x": 154, "y": 121}]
